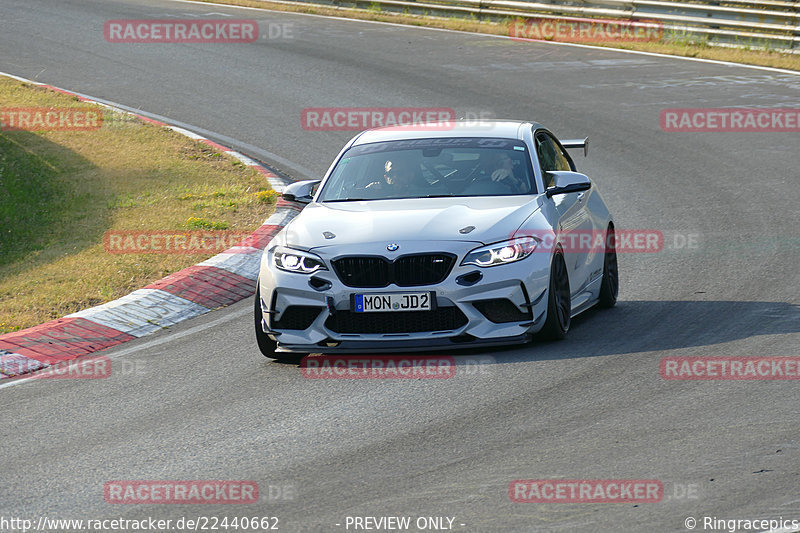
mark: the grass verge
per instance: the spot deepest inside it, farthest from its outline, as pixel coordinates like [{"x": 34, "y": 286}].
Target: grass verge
[
  {"x": 61, "y": 191},
  {"x": 678, "y": 46}
]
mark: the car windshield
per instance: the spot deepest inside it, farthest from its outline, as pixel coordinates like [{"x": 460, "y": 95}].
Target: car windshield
[{"x": 428, "y": 168}]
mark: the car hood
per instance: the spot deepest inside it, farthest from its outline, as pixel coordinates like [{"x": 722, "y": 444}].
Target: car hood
[{"x": 432, "y": 219}]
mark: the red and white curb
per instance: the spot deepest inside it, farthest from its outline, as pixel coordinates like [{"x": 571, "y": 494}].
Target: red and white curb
[{"x": 216, "y": 282}]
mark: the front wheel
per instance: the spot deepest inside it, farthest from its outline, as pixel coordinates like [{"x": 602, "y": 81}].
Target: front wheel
[
  {"x": 559, "y": 305},
  {"x": 266, "y": 345},
  {"x": 609, "y": 287}
]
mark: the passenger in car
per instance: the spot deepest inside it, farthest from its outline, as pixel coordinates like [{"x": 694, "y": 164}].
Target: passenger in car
[
  {"x": 398, "y": 179},
  {"x": 504, "y": 174}
]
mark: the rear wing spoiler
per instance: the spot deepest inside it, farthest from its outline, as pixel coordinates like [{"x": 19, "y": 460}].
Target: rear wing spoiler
[{"x": 577, "y": 143}]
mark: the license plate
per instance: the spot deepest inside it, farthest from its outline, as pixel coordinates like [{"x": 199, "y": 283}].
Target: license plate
[{"x": 395, "y": 301}]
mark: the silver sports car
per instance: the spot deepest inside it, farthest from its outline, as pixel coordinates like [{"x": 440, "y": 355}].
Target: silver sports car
[{"x": 437, "y": 237}]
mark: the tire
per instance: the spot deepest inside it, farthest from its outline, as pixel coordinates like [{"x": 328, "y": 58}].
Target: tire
[
  {"x": 609, "y": 287},
  {"x": 266, "y": 345},
  {"x": 559, "y": 305}
]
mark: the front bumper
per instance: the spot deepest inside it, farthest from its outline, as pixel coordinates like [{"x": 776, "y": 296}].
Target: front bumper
[{"x": 312, "y": 313}]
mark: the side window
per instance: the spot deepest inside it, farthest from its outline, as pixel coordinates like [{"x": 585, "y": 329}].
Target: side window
[
  {"x": 545, "y": 152},
  {"x": 562, "y": 159},
  {"x": 551, "y": 156}
]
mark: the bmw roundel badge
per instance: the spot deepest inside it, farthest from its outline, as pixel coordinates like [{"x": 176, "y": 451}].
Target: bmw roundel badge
[{"x": 393, "y": 247}]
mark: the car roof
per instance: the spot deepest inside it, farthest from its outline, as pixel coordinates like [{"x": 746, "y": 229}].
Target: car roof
[{"x": 506, "y": 129}]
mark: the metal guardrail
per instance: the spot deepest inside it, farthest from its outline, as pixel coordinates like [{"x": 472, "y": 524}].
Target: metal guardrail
[{"x": 771, "y": 24}]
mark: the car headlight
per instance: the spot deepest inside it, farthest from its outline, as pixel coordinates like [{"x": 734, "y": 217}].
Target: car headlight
[
  {"x": 297, "y": 261},
  {"x": 501, "y": 253}
]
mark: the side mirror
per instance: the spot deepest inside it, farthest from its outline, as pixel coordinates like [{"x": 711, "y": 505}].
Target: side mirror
[
  {"x": 300, "y": 191},
  {"x": 566, "y": 182}
]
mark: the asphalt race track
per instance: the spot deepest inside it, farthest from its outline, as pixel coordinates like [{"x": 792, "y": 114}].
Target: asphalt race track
[{"x": 198, "y": 402}]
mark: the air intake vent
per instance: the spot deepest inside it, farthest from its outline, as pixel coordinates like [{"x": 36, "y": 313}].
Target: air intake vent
[{"x": 405, "y": 271}]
